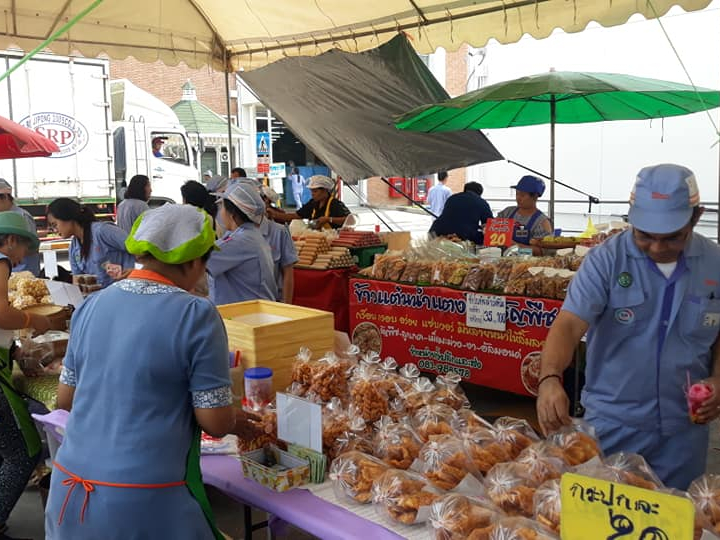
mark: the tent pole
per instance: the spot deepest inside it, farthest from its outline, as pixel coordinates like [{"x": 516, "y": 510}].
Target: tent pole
[
  {"x": 552, "y": 161},
  {"x": 231, "y": 157}
]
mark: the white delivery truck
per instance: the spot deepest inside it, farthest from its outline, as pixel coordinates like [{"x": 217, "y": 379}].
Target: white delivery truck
[{"x": 104, "y": 130}]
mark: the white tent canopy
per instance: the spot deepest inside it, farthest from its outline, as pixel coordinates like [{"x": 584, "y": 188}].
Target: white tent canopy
[{"x": 251, "y": 33}]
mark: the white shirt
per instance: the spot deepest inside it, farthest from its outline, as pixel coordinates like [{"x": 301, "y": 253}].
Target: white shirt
[{"x": 437, "y": 196}]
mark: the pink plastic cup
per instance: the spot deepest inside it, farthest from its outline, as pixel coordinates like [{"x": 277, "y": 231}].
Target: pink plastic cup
[{"x": 697, "y": 394}]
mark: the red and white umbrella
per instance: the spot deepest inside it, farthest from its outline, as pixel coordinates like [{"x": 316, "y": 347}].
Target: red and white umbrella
[{"x": 17, "y": 141}]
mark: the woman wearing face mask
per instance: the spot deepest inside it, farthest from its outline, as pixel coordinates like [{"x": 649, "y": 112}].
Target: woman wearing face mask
[
  {"x": 242, "y": 269},
  {"x": 96, "y": 247},
  {"x": 19, "y": 441},
  {"x": 530, "y": 222},
  {"x": 135, "y": 201}
]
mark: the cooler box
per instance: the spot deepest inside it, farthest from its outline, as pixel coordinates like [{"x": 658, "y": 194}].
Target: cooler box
[
  {"x": 365, "y": 256},
  {"x": 270, "y": 334}
]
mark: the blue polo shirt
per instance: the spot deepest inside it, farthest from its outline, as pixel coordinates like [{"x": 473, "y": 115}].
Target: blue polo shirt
[
  {"x": 107, "y": 246},
  {"x": 283, "y": 250},
  {"x": 646, "y": 331}
]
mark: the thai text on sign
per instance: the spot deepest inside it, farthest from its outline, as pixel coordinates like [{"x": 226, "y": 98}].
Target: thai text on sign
[
  {"x": 499, "y": 232},
  {"x": 486, "y": 311},
  {"x": 594, "y": 509}
]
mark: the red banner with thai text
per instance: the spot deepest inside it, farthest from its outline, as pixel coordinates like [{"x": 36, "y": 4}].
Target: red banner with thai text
[{"x": 427, "y": 326}]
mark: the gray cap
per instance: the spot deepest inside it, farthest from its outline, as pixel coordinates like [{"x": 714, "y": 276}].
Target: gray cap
[{"x": 5, "y": 187}]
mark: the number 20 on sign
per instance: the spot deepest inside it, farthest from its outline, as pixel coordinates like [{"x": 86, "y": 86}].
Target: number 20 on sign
[
  {"x": 499, "y": 232},
  {"x": 594, "y": 509}
]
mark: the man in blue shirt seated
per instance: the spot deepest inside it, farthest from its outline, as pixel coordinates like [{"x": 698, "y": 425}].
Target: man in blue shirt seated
[
  {"x": 649, "y": 300},
  {"x": 463, "y": 214}
]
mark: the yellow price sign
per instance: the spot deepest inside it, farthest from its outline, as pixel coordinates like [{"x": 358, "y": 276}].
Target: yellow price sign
[{"x": 595, "y": 509}]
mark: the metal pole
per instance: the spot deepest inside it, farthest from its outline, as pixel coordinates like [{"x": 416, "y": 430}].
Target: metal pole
[
  {"x": 231, "y": 157},
  {"x": 270, "y": 130},
  {"x": 552, "y": 161}
]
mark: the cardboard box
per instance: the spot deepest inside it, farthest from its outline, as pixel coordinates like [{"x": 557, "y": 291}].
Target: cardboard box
[{"x": 270, "y": 334}]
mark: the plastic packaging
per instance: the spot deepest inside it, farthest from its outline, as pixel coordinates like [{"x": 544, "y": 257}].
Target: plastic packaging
[
  {"x": 696, "y": 395},
  {"x": 515, "y": 431},
  {"x": 632, "y": 469},
  {"x": 32, "y": 357},
  {"x": 705, "y": 494},
  {"x": 336, "y": 421},
  {"x": 485, "y": 449},
  {"x": 258, "y": 387},
  {"x": 355, "y": 437},
  {"x": 511, "y": 487},
  {"x": 367, "y": 395},
  {"x": 547, "y": 505},
  {"x": 302, "y": 370},
  {"x": 403, "y": 497},
  {"x": 518, "y": 528},
  {"x": 396, "y": 444},
  {"x": 450, "y": 393},
  {"x": 545, "y": 461},
  {"x": 457, "y": 517},
  {"x": 702, "y": 522},
  {"x": 577, "y": 441},
  {"x": 353, "y": 474},
  {"x": 444, "y": 462},
  {"x": 466, "y": 421},
  {"x": 420, "y": 394},
  {"x": 433, "y": 420},
  {"x": 266, "y": 432},
  {"x": 329, "y": 377}
]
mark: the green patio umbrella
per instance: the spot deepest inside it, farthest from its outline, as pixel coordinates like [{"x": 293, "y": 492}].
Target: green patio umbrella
[{"x": 561, "y": 97}]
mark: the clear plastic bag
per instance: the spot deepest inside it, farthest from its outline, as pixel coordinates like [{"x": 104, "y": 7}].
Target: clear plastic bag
[
  {"x": 515, "y": 431},
  {"x": 420, "y": 394},
  {"x": 578, "y": 442},
  {"x": 632, "y": 469},
  {"x": 266, "y": 433},
  {"x": 433, "y": 420},
  {"x": 545, "y": 461},
  {"x": 444, "y": 462},
  {"x": 409, "y": 373},
  {"x": 367, "y": 394},
  {"x": 330, "y": 377},
  {"x": 457, "y": 517},
  {"x": 354, "y": 438},
  {"x": 485, "y": 449},
  {"x": 396, "y": 444},
  {"x": 702, "y": 522},
  {"x": 518, "y": 528},
  {"x": 302, "y": 372},
  {"x": 336, "y": 421},
  {"x": 547, "y": 505},
  {"x": 465, "y": 421},
  {"x": 705, "y": 494},
  {"x": 33, "y": 357},
  {"x": 450, "y": 393},
  {"x": 391, "y": 379},
  {"x": 479, "y": 277},
  {"x": 511, "y": 487},
  {"x": 353, "y": 474},
  {"x": 403, "y": 497}
]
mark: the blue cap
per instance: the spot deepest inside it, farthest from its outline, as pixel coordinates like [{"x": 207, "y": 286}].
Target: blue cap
[
  {"x": 258, "y": 373},
  {"x": 531, "y": 184},
  {"x": 663, "y": 198}
]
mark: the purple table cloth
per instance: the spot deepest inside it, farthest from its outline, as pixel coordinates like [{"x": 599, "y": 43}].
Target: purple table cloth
[{"x": 297, "y": 506}]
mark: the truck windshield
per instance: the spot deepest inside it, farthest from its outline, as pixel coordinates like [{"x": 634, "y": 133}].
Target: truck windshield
[{"x": 170, "y": 146}]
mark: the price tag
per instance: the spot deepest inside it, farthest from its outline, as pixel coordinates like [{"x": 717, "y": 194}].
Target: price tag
[
  {"x": 499, "y": 232},
  {"x": 597, "y": 510},
  {"x": 485, "y": 311}
]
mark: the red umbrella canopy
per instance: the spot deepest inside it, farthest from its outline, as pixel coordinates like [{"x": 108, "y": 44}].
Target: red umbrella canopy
[{"x": 17, "y": 141}]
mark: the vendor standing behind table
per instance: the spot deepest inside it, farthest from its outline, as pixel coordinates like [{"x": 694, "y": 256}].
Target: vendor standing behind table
[
  {"x": 132, "y": 441},
  {"x": 649, "y": 300},
  {"x": 324, "y": 211},
  {"x": 530, "y": 223},
  {"x": 94, "y": 244},
  {"x": 135, "y": 201},
  {"x": 242, "y": 269},
  {"x": 31, "y": 262},
  {"x": 439, "y": 194},
  {"x": 463, "y": 215},
  {"x": 19, "y": 440}
]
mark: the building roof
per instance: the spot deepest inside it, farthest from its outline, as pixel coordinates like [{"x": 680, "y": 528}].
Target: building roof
[{"x": 198, "y": 118}]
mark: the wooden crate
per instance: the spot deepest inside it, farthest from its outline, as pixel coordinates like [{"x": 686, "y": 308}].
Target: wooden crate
[{"x": 275, "y": 344}]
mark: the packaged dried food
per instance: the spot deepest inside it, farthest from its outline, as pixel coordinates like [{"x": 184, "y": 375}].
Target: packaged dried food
[
  {"x": 355, "y": 437},
  {"x": 396, "y": 409},
  {"x": 403, "y": 496},
  {"x": 410, "y": 273},
  {"x": 383, "y": 264},
  {"x": 449, "y": 391},
  {"x": 479, "y": 277},
  {"x": 335, "y": 422},
  {"x": 515, "y": 431},
  {"x": 396, "y": 444},
  {"x": 421, "y": 393},
  {"x": 395, "y": 269},
  {"x": 353, "y": 474},
  {"x": 702, "y": 522},
  {"x": 330, "y": 377},
  {"x": 367, "y": 395},
  {"x": 391, "y": 380},
  {"x": 425, "y": 273},
  {"x": 632, "y": 469},
  {"x": 302, "y": 372},
  {"x": 485, "y": 449},
  {"x": 577, "y": 441},
  {"x": 705, "y": 494},
  {"x": 409, "y": 373},
  {"x": 511, "y": 487},
  {"x": 547, "y": 505},
  {"x": 457, "y": 517},
  {"x": 465, "y": 421},
  {"x": 433, "y": 420},
  {"x": 503, "y": 267},
  {"x": 444, "y": 462},
  {"x": 265, "y": 433},
  {"x": 518, "y": 528},
  {"x": 545, "y": 461}
]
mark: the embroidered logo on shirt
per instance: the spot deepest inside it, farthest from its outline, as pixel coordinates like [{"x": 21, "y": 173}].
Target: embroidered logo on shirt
[
  {"x": 625, "y": 279},
  {"x": 711, "y": 320},
  {"x": 624, "y": 316},
  {"x": 658, "y": 195}
]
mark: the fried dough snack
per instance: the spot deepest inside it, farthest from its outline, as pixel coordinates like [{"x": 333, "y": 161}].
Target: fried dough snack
[
  {"x": 545, "y": 461},
  {"x": 466, "y": 421},
  {"x": 632, "y": 469},
  {"x": 511, "y": 487},
  {"x": 485, "y": 449},
  {"x": 705, "y": 494},
  {"x": 368, "y": 397},
  {"x": 547, "y": 505},
  {"x": 354, "y": 438},
  {"x": 397, "y": 445},
  {"x": 265, "y": 434},
  {"x": 445, "y": 463},
  {"x": 515, "y": 431},
  {"x": 302, "y": 372},
  {"x": 353, "y": 474},
  {"x": 578, "y": 443},
  {"x": 421, "y": 393},
  {"x": 433, "y": 420},
  {"x": 457, "y": 517},
  {"x": 450, "y": 393},
  {"x": 330, "y": 377},
  {"x": 517, "y": 528},
  {"x": 398, "y": 495}
]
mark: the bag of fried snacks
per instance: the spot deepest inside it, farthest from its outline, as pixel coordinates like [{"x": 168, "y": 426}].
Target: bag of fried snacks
[
  {"x": 403, "y": 497},
  {"x": 444, "y": 462},
  {"x": 396, "y": 444},
  {"x": 459, "y": 517},
  {"x": 511, "y": 487},
  {"x": 352, "y": 475},
  {"x": 449, "y": 391},
  {"x": 515, "y": 431},
  {"x": 433, "y": 420},
  {"x": 544, "y": 460},
  {"x": 577, "y": 441}
]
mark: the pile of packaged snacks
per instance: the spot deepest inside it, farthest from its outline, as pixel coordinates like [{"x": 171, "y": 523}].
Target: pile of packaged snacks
[
  {"x": 353, "y": 474},
  {"x": 399, "y": 496},
  {"x": 26, "y": 290}
]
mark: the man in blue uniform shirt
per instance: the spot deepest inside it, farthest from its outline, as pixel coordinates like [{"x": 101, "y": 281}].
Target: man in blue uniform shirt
[{"x": 649, "y": 301}]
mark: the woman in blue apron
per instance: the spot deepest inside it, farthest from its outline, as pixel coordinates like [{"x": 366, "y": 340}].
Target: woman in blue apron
[
  {"x": 19, "y": 441},
  {"x": 530, "y": 222},
  {"x": 129, "y": 463}
]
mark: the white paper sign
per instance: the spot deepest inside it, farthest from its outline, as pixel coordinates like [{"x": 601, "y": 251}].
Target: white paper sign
[
  {"x": 50, "y": 263},
  {"x": 64, "y": 294},
  {"x": 299, "y": 421},
  {"x": 486, "y": 311}
]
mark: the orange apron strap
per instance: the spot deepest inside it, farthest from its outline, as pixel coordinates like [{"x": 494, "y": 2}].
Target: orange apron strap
[{"x": 89, "y": 486}]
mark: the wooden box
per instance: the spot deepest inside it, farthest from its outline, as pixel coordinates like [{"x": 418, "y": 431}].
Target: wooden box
[{"x": 270, "y": 334}]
